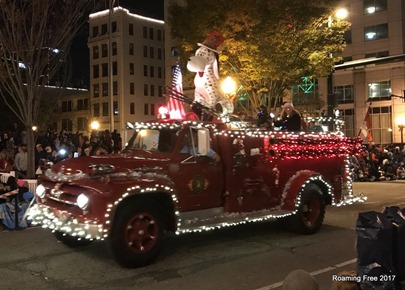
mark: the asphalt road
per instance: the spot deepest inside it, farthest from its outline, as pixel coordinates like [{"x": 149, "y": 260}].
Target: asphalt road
[{"x": 248, "y": 257}]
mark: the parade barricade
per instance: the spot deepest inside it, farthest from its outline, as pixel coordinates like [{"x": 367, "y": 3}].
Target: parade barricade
[{"x": 32, "y": 183}]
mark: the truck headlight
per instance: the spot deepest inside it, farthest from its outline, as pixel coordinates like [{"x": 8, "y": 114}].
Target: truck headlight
[
  {"x": 40, "y": 191},
  {"x": 82, "y": 201}
]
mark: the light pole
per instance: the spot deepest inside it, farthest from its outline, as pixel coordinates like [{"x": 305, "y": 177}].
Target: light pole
[
  {"x": 110, "y": 64},
  {"x": 339, "y": 14}
]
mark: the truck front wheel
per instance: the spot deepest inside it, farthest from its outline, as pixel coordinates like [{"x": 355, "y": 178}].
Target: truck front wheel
[
  {"x": 310, "y": 213},
  {"x": 137, "y": 235}
]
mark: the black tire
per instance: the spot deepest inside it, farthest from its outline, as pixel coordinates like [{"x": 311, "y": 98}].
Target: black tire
[
  {"x": 310, "y": 213},
  {"x": 137, "y": 234},
  {"x": 72, "y": 242}
]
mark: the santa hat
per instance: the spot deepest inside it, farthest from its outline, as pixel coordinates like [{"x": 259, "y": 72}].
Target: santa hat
[{"x": 213, "y": 41}]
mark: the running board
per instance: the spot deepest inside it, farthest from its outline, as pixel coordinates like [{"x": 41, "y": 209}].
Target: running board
[{"x": 205, "y": 220}]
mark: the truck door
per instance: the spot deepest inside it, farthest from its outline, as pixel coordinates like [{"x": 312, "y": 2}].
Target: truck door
[{"x": 198, "y": 177}]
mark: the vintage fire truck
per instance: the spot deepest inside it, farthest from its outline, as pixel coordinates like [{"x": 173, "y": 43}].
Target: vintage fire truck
[{"x": 134, "y": 198}]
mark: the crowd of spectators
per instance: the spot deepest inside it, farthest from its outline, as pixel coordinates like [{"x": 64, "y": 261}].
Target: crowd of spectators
[
  {"x": 379, "y": 163},
  {"x": 53, "y": 146}
]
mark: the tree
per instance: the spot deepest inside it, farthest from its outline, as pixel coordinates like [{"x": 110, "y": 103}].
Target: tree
[
  {"x": 35, "y": 37},
  {"x": 269, "y": 45}
]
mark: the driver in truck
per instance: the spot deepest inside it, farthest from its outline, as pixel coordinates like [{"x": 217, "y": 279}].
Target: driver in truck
[{"x": 191, "y": 146}]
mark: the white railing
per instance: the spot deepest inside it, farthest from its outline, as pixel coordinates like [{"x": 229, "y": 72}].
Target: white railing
[{"x": 32, "y": 183}]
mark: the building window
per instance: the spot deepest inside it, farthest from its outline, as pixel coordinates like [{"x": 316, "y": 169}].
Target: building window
[
  {"x": 174, "y": 51},
  {"x": 378, "y": 54},
  {"x": 114, "y": 26},
  {"x": 104, "y": 50},
  {"x": 348, "y": 117},
  {"x": 159, "y": 53},
  {"x": 131, "y": 69},
  {"x": 82, "y": 104},
  {"x": 67, "y": 125},
  {"x": 145, "y": 32},
  {"x": 152, "y": 71},
  {"x": 152, "y": 109},
  {"x": 82, "y": 124},
  {"x": 378, "y": 91},
  {"x": 159, "y": 35},
  {"x": 161, "y": 91},
  {"x": 152, "y": 90},
  {"x": 105, "y": 109},
  {"x": 95, "y": 71},
  {"x": 145, "y": 51},
  {"x": 66, "y": 106},
  {"x": 132, "y": 108},
  {"x": 132, "y": 88},
  {"x": 348, "y": 36},
  {"x": 104, "y": 70},
  {"x": 95, "y": 31},
  {"x": 131, "y": 49},
  {"x": 160, "y": 72},
  {"x": 96, "y": 90},
  {"x": 145, "y": 89},
  {"x": 151, "y": 52},
  {"x": 344, "y": 94},
  {"x": 131, "y": 29},
  {"x": 115, "y": 88},
  {"x": 96, "y": 110},
  {"x": 105, "y": 89},
  {"x": 114, "y": 48},
  {"x": 115, "y": 108},
  {"x": 145, "y": 70},
  {"x": 376, "y": 32},
  {"x": 373, "y": 6},
  {"x": 381, "y": 120},
  {"x": 145, "y": 109},
  {"x": 103, "y": 29},
  {"x": 95, "y": 52},
  {"x": 115, "y": 68},
  {"x": 151, "y": 33}
]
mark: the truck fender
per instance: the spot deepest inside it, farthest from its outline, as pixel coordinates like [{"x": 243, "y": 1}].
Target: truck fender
[
  {"x": 295, "y": 186},
  {"x": 166, "y": 194}
]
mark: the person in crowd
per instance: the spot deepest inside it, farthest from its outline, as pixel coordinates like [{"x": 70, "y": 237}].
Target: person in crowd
[
  {"x": 21, "y": 161},
  {"x": 39, "y": 154},
  {"x": 290, "y": 119},
  {"x": 6, "y": 161},
  {"x": 20, "y": 200},
  {"x": 190, "y": 146}
]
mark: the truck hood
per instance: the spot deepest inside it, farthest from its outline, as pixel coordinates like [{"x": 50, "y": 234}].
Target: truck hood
[{"x": 118, "y": 163}]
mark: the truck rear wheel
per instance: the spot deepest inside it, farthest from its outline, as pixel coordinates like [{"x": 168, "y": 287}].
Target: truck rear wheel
[
  {"x": 71, "y": 241},
  {"x": 137, "y": 235},
  {"x": 310, "y": 213}
]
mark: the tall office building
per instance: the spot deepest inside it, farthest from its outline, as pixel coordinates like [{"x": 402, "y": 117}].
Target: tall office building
[
  {"x": 131, "y": 75},
  {"x": 372, "y": 74}
]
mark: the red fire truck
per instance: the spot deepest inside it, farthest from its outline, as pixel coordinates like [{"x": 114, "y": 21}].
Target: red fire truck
[{"x": 133, "y": 198}]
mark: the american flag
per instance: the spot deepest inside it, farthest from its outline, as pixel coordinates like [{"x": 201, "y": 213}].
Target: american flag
[{"x": 175, "y": 106}]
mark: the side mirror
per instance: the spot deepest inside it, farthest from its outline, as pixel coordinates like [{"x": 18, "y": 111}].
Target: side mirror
[{"x": 203, "y": 141}]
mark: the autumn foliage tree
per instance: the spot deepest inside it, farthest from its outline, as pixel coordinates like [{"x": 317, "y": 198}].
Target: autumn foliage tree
[
  {"x": 269, "y": 45},
  {"x": 35, "y": 37}
]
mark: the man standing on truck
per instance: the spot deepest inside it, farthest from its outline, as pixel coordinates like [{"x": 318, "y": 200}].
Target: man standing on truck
[{"x": 191, "y": 146}]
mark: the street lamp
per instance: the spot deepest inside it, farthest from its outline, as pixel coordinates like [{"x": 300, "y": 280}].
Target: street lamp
[
  {"x": 228, "y": 86},
  {"x": 340, "y": 14},
  {"x": 95, "y": 125}
]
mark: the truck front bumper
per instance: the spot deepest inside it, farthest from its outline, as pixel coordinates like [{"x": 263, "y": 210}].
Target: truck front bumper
[{"x": 63, "y": 222}]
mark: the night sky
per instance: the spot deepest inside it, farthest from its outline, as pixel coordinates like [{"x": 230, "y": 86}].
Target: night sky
[{"x": 79, "y": 50}]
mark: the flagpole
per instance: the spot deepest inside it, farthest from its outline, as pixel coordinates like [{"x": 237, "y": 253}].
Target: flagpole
[{"x": 110, "y": 64}]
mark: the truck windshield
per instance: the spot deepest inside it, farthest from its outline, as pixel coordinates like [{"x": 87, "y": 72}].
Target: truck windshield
[{"x": 162, "y": 140}]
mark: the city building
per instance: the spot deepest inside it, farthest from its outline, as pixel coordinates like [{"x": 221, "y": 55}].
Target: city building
[
  {"x": 372, "y": 73},
  {"x": 130, "y": 75}
]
